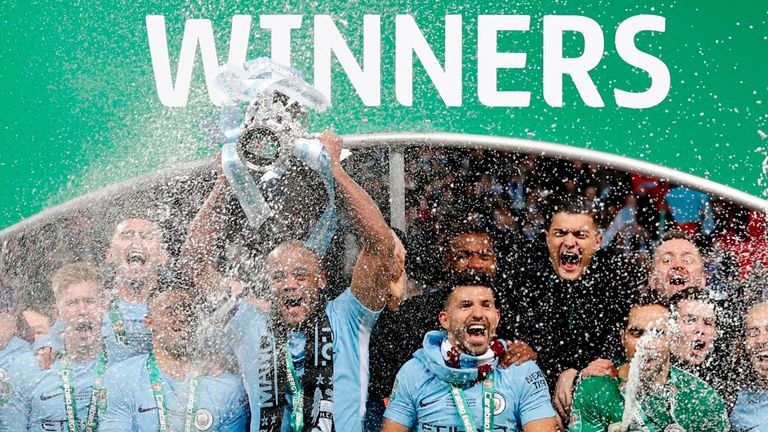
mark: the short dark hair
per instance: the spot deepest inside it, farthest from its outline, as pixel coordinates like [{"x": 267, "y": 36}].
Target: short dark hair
[
  {"x": 572, "y": 204},
  {"x": 689, "y": 293},
  {"x": 456, "y": 226},
  {"x": 676, "y": 234},
  {"x": 456, "y": 280},
  {"x": 642, "y": 298},
  {"x": 169, "y": 279}
]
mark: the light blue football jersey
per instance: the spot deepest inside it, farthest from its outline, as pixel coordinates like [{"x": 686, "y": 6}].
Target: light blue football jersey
[
  {"x": 221, "y": 404},
  {"x": 751, "y": 411},
  {"x": 13, "y": 349},
  {"x": 351, "y": 323},
  {"x": 37, "y": 399},
  {"x": 255, "y": 350},
  {"x": 137, "y": 336},
  {"x": 421, "y": 397}
]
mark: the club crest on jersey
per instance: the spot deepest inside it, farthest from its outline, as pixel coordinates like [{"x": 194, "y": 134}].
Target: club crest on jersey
[
  {"x": 203, "y": 419},
  {"x": 575, "y": 420},
  {"x": 499, "y": 404},
  {"x": 101, "y": 399},
  {"x": 5, "y": 392}
]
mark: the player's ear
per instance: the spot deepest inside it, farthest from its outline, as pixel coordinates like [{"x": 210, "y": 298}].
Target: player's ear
[
  {"x": 444, "y": 320},
  {"x": 148, "y": 322}
]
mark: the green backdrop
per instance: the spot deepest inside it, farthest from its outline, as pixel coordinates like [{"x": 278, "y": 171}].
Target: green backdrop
[{"x": 80, "y": 110}]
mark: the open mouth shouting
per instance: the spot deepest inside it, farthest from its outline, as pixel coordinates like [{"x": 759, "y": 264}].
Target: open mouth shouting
[
  {"x": 294, "y": 309},
  {"x": 83, "y": 327},
  {"x": 136, "y": 258},
  {"x": 678, "y": 281},
  {"x": 698, "y": 350},
  {"x": 477, "y": 337},
  {"x": 569, "y": 261}
]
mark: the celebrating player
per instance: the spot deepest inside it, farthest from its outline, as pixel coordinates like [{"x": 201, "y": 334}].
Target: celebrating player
[
  {"x": 667, "y": 398},
  {"x": 164, "y": 390},
  {"x": 68, "y": 395},
  {"x": 453, "y": 380}
]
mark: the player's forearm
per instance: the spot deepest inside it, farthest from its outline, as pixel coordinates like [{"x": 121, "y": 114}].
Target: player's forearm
[
  {"x": 391, "y": 426},
  {"x": 365, "y": 214},
  {"x": 199, "y": 253}
]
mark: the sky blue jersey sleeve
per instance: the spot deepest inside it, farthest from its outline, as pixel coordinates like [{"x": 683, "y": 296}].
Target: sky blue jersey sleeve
[
  {"x": 350, "y": 314},
  {"x": 16, "y": 414},
  {"x": 535, "y": 403},
  {"x": 402, "y": 407},
  {"x": 351, "y": 323}
]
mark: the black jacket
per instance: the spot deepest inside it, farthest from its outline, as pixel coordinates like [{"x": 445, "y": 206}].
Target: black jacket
[
  {"x": 397, "y": 336},
  {"x": 571, "y": 323}
]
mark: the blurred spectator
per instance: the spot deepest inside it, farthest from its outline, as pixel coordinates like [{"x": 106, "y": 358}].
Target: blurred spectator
[{"x": 691, "y": 210}]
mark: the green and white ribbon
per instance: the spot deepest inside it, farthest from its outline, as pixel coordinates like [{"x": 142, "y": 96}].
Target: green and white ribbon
[
  {"x": 118, "y": 323},
  {"x": 297, "y": 392},
  {"x": 159, "y": 395},
  {"x": 70, "y": 403},
  {"x": 462, "y": 407}
]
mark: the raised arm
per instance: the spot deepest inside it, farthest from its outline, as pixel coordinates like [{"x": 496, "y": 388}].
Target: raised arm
[
  {"x": 199, "y": 253},
  {"x": 373, "y": 270}
]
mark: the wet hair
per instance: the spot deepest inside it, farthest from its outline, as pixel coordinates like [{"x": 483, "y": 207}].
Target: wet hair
[
  {"x": 169, "y": 279},
  {"x": 643, "y": 298},
  {"x": 457, "y": 226},
  {"x": 676, "y": 234},
  {"x": 694, "y": 293},
  {"x": 466, "y": 279},
  {"x": 75, "y": 273},
  {"x": 570, "y": 205}
]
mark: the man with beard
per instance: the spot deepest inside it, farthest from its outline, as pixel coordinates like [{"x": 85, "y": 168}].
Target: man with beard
[
  {"x": 454, "y": 379},
  {"x": 319, "y": 347},
  {"x": 468, "y": 252},
  {"x": 648, "y": 393},
  {"x": 574, "y": 301},
  {"x": 136, "y": 253},
  {"x": 67, "y": 396},
  {"x": 165, "y": 389},
  {"x": 751, "y": 410}
]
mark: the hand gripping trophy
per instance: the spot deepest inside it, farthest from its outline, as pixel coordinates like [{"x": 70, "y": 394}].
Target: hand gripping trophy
[
  {"x": 272, "y": 135},
  {"x": 260, "y": 146}
]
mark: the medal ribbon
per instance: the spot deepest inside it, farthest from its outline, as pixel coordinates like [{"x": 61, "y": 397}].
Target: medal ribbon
[
  {"x": 462, "y": 407},
  {"x": 297, "y": 392},
  {"x": 159, "y": 395},
  {"x": 70, "y": 404},
  {"x": 118, "y": 323}
]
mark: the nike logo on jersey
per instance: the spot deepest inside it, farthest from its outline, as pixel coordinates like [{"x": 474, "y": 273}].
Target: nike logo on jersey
[
  {"x": 426, "y": 404},
  {"x": 46, "y": 397},
  {"x": 143, "y": 410}
]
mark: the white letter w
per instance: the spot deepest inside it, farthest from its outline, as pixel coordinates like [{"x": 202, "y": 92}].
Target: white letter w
[{"x": 195, "y": 30}]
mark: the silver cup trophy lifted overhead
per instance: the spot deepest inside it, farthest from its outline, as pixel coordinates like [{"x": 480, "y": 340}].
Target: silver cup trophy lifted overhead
[{"x": 260, "y": 146}]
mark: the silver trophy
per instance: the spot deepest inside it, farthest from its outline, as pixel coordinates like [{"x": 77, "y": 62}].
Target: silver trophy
[{"x": 259, "y": 145}]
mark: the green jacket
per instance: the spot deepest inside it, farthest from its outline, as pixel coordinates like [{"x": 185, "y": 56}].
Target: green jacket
[{"x": 599, "y": 403}]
